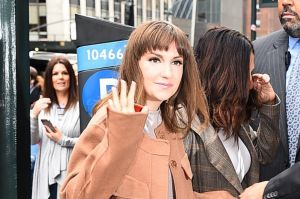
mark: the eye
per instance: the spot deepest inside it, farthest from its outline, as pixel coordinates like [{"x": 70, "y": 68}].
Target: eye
[
  {"x": 178, "y": 62},
  {"x": 154, "y": 60},
  {"x": 65, "y": 73},
  {"x": 55, "y": 73}
]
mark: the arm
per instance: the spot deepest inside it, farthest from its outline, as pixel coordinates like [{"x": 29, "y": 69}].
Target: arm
[
  {"x": 103, "y": 155},
  {"x": 267, "y": 138},
  {"x": 285, "y": 185},
  {"x": 34, "y": 129},
  {"x": 267, "y": 135},
  {"x": 39, "y": 105},
  {"x": 66, "y": 141}
]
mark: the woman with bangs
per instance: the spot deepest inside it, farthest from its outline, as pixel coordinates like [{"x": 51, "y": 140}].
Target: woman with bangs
[
  {"x": 133, "y": 146},
  {"x": 226, "y": 156}
]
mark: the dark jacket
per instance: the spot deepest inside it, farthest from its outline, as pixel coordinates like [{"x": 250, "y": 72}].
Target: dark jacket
[
  {"x": 286, "y": 185},
  {"x": 270, "y": 54}
]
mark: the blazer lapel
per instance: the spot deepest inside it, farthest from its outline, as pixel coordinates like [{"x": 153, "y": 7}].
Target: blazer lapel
[
  {"x": 253, "y": 173},
  {"x": 277, "y": 72},
  {"x": 218, "y": 157}
]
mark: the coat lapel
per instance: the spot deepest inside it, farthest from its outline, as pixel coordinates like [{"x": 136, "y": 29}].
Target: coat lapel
[
  {"x": 277, "y": 72},
  {"x": 217, "y": 155},
  {"x": 253, "y": 173}
]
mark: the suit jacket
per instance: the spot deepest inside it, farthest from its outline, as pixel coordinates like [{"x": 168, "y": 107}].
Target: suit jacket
[
  {"x": 211, "y": 166},
  {"x": 270, "y": 58},
  {"x": 286, "y": 185},
  {"x": 114, "y": 158}
]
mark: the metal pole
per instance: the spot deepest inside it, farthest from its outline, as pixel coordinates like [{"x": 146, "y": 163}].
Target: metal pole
[
  {"x": 22, "y": 87},
  {"x": 253, "y": 20},
  {"x": 193, "y": 21},
  {"x": 14, "y": 100}
]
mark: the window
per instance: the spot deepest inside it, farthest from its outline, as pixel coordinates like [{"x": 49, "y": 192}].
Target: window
[
  {"x": 208, "y": 11},
  {"x": 75, "y": 2},
  {"x": 43, "y": 23},
  {"x": 90, "y": 3}
]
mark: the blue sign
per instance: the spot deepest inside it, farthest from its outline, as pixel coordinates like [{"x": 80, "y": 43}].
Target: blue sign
[
  {"x": 100, "y": 55},
  {"x": 96, "y": 87}
]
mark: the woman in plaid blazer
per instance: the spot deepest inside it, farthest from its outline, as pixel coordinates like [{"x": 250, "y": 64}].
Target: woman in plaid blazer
[{"x": 227, "y": 154}]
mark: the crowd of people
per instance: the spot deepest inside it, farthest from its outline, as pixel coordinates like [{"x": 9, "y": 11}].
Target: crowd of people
[{"x": 220, "y": 121}]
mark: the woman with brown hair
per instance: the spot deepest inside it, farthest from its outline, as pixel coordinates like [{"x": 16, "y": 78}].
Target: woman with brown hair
[
  {"x": 133, "y": 151},
  {"x": 227, "y": 154},
  {"x": 59, "y": 105}
]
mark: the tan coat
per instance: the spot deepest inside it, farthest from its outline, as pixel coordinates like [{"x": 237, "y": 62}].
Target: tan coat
[{"x": 114, "y": 158}]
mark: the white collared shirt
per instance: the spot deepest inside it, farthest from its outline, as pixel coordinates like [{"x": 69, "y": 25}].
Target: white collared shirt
[{"x": 238, "y": 154}]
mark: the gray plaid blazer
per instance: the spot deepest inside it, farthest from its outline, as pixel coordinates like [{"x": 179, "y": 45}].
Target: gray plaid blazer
[{"x": 211, "y": 166}]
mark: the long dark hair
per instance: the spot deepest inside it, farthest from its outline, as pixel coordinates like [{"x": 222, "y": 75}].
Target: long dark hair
[
  {"x": 158, "y": 35},
  {"x": 49, "y": 91},
  {"x": 223, "y": 57}
]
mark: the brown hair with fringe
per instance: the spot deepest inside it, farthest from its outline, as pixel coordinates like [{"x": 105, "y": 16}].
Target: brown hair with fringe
[
  {"x": 49, "y": 90},
  {"x": 158, "y": 35}
]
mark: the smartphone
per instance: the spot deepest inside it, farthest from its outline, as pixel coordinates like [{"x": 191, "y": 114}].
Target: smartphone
[{"x": 48, "y": 124}]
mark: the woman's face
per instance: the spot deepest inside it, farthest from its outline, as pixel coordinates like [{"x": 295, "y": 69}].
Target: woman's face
[
  {"x": 60, "y": 78},
  {"x": 251, "y": 67},
  {"x": 162, "y": 72}
]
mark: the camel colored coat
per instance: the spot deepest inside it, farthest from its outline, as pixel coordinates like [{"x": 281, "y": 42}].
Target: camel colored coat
[{"x": 114, "y": 158}]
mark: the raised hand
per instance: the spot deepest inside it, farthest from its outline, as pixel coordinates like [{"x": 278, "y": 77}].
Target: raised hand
[
  {"x": 39, "y": 105},
  {"x": 124, "y": 102},
  {"x": 261, "y": 83}
]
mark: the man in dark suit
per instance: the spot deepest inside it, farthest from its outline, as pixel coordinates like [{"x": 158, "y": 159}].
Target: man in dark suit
[
  {"x": 285, "y": 185},
  {"x": 275, "y": 55}
]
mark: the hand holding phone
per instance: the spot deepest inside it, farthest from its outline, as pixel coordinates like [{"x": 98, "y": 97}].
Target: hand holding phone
[{"x": 48, "y": 124}]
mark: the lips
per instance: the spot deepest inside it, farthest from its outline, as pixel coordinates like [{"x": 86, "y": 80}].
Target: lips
[
  {"x": 287, "y": 15},
  {"x": 60, "y": 84},
  {"x": 164, "y": 85}
]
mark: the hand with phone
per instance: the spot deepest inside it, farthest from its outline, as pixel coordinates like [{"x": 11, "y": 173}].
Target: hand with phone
[
  {"x": 263, "y": 87},
  {"x": 48, "y": 124},
  {"x": 52, "y": 132}
]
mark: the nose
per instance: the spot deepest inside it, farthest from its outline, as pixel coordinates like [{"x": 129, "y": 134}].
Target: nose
[
  {"x": 166, "y": 71},
  {"x": 60, "y": 75},
  {"x": 287, "y": 2}
]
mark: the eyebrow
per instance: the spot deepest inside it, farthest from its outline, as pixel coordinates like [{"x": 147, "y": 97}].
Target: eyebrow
[{"x": 160, "y": 56}]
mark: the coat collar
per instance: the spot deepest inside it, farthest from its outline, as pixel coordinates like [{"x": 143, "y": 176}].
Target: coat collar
[{"x": 281, "y": 41}]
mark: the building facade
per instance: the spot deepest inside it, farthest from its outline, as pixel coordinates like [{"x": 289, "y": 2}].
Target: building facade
[{"x": 52, "y": 24}]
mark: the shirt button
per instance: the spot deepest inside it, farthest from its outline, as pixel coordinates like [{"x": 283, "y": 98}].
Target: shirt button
[{"x": 173, "y": 163}]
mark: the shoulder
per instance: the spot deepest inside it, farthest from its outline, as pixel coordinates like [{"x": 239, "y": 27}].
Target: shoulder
[{"x": 269, "y": 40}]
